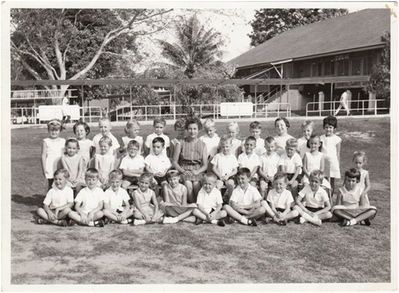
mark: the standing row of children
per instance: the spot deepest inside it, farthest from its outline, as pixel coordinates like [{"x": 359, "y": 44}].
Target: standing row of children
[{"x": 258, "y": 177}]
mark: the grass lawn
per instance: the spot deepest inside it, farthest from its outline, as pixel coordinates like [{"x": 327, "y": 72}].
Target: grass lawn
[{"x": 184, "y": 253}]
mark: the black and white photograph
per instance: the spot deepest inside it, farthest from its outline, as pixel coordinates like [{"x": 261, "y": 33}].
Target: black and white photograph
[{"x": 179, "y": 143}]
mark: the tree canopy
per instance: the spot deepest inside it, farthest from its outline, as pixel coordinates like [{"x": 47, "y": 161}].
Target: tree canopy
[
  {"x": 69, "y": 44},
  {"x": 271, "y": 22}
]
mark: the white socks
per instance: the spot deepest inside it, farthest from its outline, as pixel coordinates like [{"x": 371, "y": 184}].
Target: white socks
[
  {"x": 170, "y": 220},
  {"x": 244, "y": 220},
  {"x": 138, "y": 222}
]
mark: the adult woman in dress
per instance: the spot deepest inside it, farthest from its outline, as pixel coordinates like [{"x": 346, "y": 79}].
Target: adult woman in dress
[{"x": 190, "y": 158}]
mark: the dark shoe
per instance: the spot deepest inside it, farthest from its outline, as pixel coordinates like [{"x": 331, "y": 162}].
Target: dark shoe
[
  {"x": 39, "y": 221},
  {"x": 99, "y": 223},
  {"x": 198, "y": 221},
  {"x": 228, "y": 220},
  {"x": 71, "y": 222},
  {"x": 365, "y": 222},
  {"x": 221, "y": 223},
  {"x": 63, "y": 223},
  {"x": 344, "y": 223},
  {"x": 252, "y": 222},
  {"x": 282, "y": 222}
]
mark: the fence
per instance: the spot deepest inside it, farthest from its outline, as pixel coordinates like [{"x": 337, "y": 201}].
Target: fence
[
  {"x": 356, "y": 107},
  {"x": 144, "y": 113},
  {"x": 31, "y": 115},
  {"x": 40, "y": 94}
]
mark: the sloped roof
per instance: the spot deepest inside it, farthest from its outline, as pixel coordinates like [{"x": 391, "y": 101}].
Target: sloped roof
[{"x": 360, "y": 29}]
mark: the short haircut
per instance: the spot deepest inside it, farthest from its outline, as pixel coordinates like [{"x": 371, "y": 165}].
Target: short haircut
[
  {"x": 133, "y": 143},
  {"x": 105, "y": 139},
  {"x": 209, "y": 175},
  {"x": 250, "y": 138},
  {"x": 358, "y": 154},
  {"x": 313, "y": 136},
  {"x": 193, "y": 120},
  {"x": 330, "y": 120},
  {"x": 255, "y": 125},
  {"x": 317, "y": 174},
  {"x": 146, "y": 176},
  {"x": 171, "y": 174},
  {"x": 131, "y": 123},
  {"x": 286, "y": 122},
  {"x": 54, "y": 124},
  {"x": 352, "y": 173},
  {"x": 280, "y": 175},
  {"x": 159, "y": 139},
  {"x": 104, "y": 119},
  {"x": 306, "y": 124},
  {"x": 159, "y": 120},
  {"x": 62, "y": 171},
  {"x": 91, "y": 172},
  {"x": 270, "y": 139},
  {"x": 233, "y": 125},
  {"x": 180, "y": 124},
  {"x": 292, "y": 142},
  {"x": 209, "y": 123},
  {"x": 244, "y": 171},
  {"x": 225, "y": 139},
  {"x": 115, "y": 174},
  {"x": 84, "y": 124},
  {"x": 72, "y": 140}
]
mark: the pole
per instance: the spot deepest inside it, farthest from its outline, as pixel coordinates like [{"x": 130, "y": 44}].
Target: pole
[
  {"x": 82, "y": 97},
  {"x": 331, "y": 95}
]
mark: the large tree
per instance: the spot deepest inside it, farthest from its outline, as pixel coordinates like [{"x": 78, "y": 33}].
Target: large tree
[
  {"x": 271, "y": 22},
  {"x": 69, "y": 44},
  {"x": 196, "y": 47}
]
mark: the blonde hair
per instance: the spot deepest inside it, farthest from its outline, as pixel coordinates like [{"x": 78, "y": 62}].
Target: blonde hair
[
  {"x": 208, "y": 123},
  {"x": 306, "y": 124},
  {"x": 360, "y": 154},
  {"x": 130, "y": 124},
  {"x": 233, "y": 125},
  {"x": 292, "y": 142},
  {"x": 225, "y": 138}
]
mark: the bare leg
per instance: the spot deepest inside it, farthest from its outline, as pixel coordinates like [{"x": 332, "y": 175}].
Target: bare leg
[
  {"x": 184, "y": 215},
  {"x": 190, "y": 194},
  {"x": 190, "y": 219},
  {"x": 110, "y": 215},
  {"x": 260, "y": 211},
  {"x": 291, "y": 215},
  {"x": 199, "y": 214},
  {"x": 342, "y": 214},
  {"x": 366, "y": 215},
  {"x": 196, "y": 189},
  {"x": 230, "y": 187}
]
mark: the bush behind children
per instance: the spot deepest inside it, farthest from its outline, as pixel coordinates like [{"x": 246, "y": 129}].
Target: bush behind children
[{"x": 209, "y": 179}]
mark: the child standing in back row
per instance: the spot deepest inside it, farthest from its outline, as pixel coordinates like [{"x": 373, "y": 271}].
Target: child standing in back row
[
  {"x": 307, "y": 130},
  {"x": 291, "y": 164},
  {"x": 359, "y": 160},
  {"x": 232, "y": 131},
  {"x": 249, "y": 159},
  {"x": 132, "y": 165},
  {"x": 74, "y": 164},
  {"x": 132, "y": 130},
  {"x": 52, "y": 150},
  {"x": 104, "y": 162},
  {"x": 255, "y": 130},
  {"x": 210, "y": 138},
  {"x": 105, "y": 130},
  {"x": 159, "y": 127},
  {"x": 86, "y": 147},
  {"x": 268, "y": 167},
  {"x": 331, "y": 148}
]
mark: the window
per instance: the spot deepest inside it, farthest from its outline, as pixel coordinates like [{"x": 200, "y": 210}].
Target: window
[
  {"x": 343, "y": 67},
  {"x": 329, "y": 68},
  {"x": 314, "y": 69},
  {"x": 356, "y": 66}
]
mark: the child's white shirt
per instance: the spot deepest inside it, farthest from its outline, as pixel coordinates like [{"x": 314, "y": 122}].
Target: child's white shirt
[
  {"x": 280, "y": 200},
  {"x": 96, "y": 142},
  {"x": 89, "y": 198},
  {"x": 212, "y": 144},
  {"x": 149, "y": 139},
  {"x": 158, "y": 163},
  {"x": 290, "y": 164},
  {"x": 303, "y": 146},
  {"x": 105, "y": 164},
  {"x": 281, "y": 141},
  {"x": 225, "y": 164},
  {"x": 84, "y": 149},
  {"x": 210, "y": 200},
  {"x": 54, "y": 151},
  {"x": 58, "y": 197},
  {"x": 245, "y": 197},
  {"x": 132, "y": 164},
  {"x": 249, "y": 161},
  {"x": 313, "y": 199},
  {"x": 269, "y": 163},
  {"x": 260, "y": 147},
  {"x": 116, "y": 198},
  {"x": 139, "y": 139}
]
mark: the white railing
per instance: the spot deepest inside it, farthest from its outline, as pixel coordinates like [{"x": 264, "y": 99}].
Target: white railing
[
  {"x": 357, "y": 107},
  {"x": 30, "y": 115},
  {"x": 40, "y": 94},
  {"x": 173, "y": 112}
]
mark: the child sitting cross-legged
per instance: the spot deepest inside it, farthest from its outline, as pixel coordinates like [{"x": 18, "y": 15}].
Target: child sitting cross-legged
[
  {"x": 89, "y": 202},
  {"x": 313, "y": 203},
  {"x": 147, "y": 210},
  {"x": 352, "y": 205},
  {"x": 245, "y": 202},
  {"x": 209, "y": 202},
  {"x": 116, "y": 203},
  {"x": 279, "y": 201},
  {"x": 175, "y": 200},
  {"x": 58, "y": 202}
]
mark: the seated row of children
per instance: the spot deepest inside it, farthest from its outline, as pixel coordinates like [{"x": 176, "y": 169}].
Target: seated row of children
[
  {"x": 224, "y": 164},
  {"x": 245, "y": 205}
]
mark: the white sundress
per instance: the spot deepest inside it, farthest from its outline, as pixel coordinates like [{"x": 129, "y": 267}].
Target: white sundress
[
  {"x": 55, "y": 149},
  {"x": 313, "y": 163},
  {"x": 329, "y": 149}
]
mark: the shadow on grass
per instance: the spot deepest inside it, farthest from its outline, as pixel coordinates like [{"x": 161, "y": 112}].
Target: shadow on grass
[{"x": 34, "y": 200}]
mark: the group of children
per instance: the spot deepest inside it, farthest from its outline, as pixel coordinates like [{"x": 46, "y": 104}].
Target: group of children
[{"x": 280, "y": 178}]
